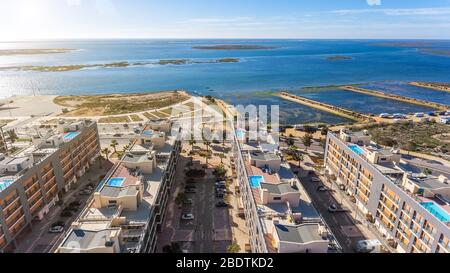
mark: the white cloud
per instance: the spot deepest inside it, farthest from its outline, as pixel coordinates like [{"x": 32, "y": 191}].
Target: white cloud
[
  {"x": 73, "y": 2},
  {"x": 399, "y": 12},
  {"x": 374, "y": 2}
]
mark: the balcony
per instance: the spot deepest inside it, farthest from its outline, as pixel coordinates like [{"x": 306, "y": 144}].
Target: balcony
[{"x": 393, "y": 210}]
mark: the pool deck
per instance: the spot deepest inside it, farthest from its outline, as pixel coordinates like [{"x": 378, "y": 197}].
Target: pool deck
[
  {"x": 123, "y": 172},
  {"x": 444, "y": 206},
  {"x": 269, "y": 179}
]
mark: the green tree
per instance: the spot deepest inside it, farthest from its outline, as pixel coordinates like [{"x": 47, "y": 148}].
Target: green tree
[
  {"x": 106, "y": 152},
  {"x": 114, "y": 145},
  {"x": 298, "y": 157},
  {"x": 192, "y": 142},
  {"x": 207, "y": 144},
  {"x": 307, "y": 141},
  {"x": 181, "y": 197},
  {"x": 13, "y": 136},
  {"x": 234, "y": 248}
]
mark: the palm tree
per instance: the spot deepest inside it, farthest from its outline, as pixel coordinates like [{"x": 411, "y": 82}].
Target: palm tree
[
  {"x": 12, "y": 136},
  {"x": 192, "y": 142},
  {"x": 106, "y": 153},
  {"x": 114, "y": 145},
  {"x": 298, "y": 157},
  {"x": 234, "y": 248},
  {"x": 207, "y": 143}
]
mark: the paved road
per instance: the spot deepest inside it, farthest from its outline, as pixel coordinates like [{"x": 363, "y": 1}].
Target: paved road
[
  {"x": 341, "y": 224},
  {"x": 204, "y": 210}
]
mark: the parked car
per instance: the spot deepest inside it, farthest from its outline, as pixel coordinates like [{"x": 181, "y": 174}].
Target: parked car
[
  {"x": 221, "y": 186},
  {"x": 322, "y": 189},
  {"x": 220, "y": 195},
  {"x": 191, "y": 186},
  {"x": 66, "y": 213},
  {"x": 188, "y": 202},
  {"x": 56, "y": 229},
  {"x": 221, "y": 204},
  {"x": 190, "y": 190},
  {"x": 333, "y": 208},
  {"x": 315, "y": 180},
  {"x": 187, "y": 217},
  {"x": 368, "y": 246}
]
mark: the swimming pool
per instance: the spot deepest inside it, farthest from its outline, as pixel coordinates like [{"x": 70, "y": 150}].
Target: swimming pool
[
  {"x": 116, "y": 182},
  {"x": 240, "y": 133},
  {"x": 70, "y": 136},
  {"x": 255, "y": 181},
  {"x": 148, "y": 133},
  {"x": 436, "y": 211},
  {"x": 357, "y": 149},
  {"x": 5, "y": 183}
]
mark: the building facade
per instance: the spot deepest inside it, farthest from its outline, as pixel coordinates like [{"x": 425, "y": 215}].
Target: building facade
[
  {"x": 33, "y": 181},
  {"x": 381, "y": 185},
  {"x": 128, "y": 208}
]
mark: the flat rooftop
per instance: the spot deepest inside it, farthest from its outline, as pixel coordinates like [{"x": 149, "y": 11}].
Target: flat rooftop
[
  {"x": 279, "y": 189},
  {"x": 304, "y": 233},
  {"x": 86, "y": 239}
]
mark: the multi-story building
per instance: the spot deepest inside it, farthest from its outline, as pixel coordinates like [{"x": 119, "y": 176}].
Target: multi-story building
[
  {"x": 407, "y": 206},
  {"x": 279, "y": 213},
  {"x": 128, "y": 208},
  {"x": 3, "y": 145},
  {"x": 32, "y": 181}
]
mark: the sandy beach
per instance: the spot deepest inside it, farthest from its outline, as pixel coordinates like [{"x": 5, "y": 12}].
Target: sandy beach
[{"x": 25, "y": 106}]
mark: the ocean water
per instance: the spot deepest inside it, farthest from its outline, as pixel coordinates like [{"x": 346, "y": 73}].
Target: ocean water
[{"x": 292, "y": 65}]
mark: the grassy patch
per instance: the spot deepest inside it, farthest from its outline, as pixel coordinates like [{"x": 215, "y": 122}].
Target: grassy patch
[
  {"x": 117, "y": 104},
  {"x": 115, "y": 120},
  {"x": 418, "y": 137},
  {"x": 136, "y": 118}
]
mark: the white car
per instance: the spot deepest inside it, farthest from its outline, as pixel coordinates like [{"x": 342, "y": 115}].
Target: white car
[
  {"x": 187, "y": 217},
  {"x": 56, "y": 229}
]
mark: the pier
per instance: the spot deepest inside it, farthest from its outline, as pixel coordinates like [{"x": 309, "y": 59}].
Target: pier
[
  {"x": 380, "y": 94},
  {"x": 338, "y": 111}
]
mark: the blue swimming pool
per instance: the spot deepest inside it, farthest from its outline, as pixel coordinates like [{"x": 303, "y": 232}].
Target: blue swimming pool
[
  {"x": 240, "y": 133},
  {"x": 148, "y": 133},
  {"x": 5, "y": 183},
  {"x": 255, "y": 181},
  {"x": 70, "y": 136},
  {"x": 116, "y": 182},
  {"x": 357, "y": 149},
  {"x": 437, "y": 211}
]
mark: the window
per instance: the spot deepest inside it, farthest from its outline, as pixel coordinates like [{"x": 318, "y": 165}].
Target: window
[{"x": 277, "y": 198}]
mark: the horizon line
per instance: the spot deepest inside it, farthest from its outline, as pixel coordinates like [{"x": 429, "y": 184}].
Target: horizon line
[{"x": 175, "y": 38}]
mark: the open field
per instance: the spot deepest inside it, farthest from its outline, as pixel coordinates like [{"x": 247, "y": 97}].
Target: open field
[
  {"x": 426, "y": 137},
  {"x": 123, "y": 119},
  {"x": 117, "y": 104}
]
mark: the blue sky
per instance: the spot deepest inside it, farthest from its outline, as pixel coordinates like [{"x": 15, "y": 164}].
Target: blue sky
[{"x": 365, "y": 19}]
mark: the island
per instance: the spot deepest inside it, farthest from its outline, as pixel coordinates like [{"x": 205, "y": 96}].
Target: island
[
  {"x": 13, "y": 52},
  {"x": 339, "y": 58},
  {"x": 234, "y": 47},
  {"x": 434, "y": 51},
  {"x": 124, "y": 64}
]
